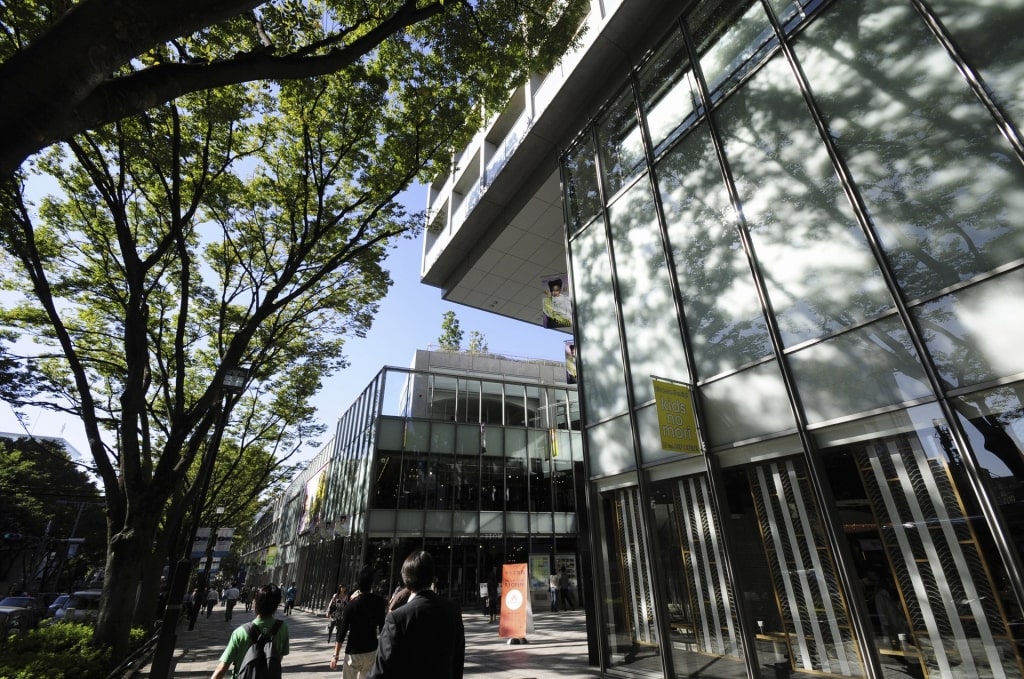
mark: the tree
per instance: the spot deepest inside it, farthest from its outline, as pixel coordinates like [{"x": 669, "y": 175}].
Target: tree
[
  {"x": 46, "y": 499},
  {"x": 203, "y": 224},
  {"x": 68, "y": 68},
  {"x": 451, "y": 334},
  {"x": 477, "y": 342}
]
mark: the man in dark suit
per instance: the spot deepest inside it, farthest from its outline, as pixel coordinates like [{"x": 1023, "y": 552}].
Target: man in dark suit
[{"x": 424, "y": 638}]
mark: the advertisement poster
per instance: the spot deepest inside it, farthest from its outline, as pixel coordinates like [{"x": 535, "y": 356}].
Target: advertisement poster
[
  {"x": 676, "y": 422},
  {"x": 570, "y": 361},
  {"x": 316, "y": 488},
  {"x": 557, "y": 301},
  {"x": 516, "y": 612}
]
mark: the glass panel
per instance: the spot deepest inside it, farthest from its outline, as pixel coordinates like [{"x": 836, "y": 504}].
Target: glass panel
[
  {"x": 515, "y": 405},
  {"x": 620, "y": 142},
  {"x": 535, "y": 415},
  {"x": 438, "y": 483},
  {"x": 597, "y": 337},
  {"x": 731, "y": 39},
  {"x": 579, "y": 172},
  {"x": 442, "y": 404},
  {"x": 610, "y": 448},
  {"x": 563, "y": 484},
  {"x": 468, "y": 409},
  {"x": 515, "y": 470},
  {"x": 492, "y": 483},
  {"x": 723, "y": 314},
  {"x": 388, "y": 479},
  {"x": 992, "y": 36},
  {"x": 975, "y": 335},
  {"x": 417, "y": 436},
  {"x": 466, "y": 482},
  {"x": 668, "y": 92},
  {"x": 494, "y": 440},
  {"x": 471, "y": 438},
  {"x": 994, "y": 422},
  {"x": 788, "y": 571},
  {"x": 700, "y": 603},
  {"x": 491, "y": 406},
  {"x": 627, "y": 595},
  {"x": 942, "y": 185},
  {"x": 876, "y": 366},
  {"x": 648, "y": 312},
  {"x": 928, "y": 574},
  {"x": 442, "y": 437},
  {"x": 745, "y": 405},
  {"x": 820, "y": 274},
  {"x": 540, "y": 472},
  {"x": 391, "y": 433}
]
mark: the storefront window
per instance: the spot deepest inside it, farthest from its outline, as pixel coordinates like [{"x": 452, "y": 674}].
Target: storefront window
[
  {"x": 932, "y": 585},
  {"x": 700, "y": 600},
  {"x": 627, "y": 592},
  {"x": 788, "y": 571}
]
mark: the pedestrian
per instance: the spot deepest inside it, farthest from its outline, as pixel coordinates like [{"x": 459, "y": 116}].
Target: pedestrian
[
  {"x": 289, "y": 598},
  {"x": 492, "y": 592},
  {"x": 554, "y": 582},
  {"x": 424, "y": 637},
  {"x": 563, "y": 590},
  {"x": 245, "y": 596},
  {"x": 194, "y": 604},
  {"x": 399, "y": 598},
  {"x": 266, "y": 601},
  {"x": 335, "y": 607},
  {"x": 211, "y": 600},
  {"x": 361, "y": 620},
  {"x": 230, "y": 599}
]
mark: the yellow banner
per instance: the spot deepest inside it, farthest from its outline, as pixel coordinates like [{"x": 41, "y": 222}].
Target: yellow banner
[
  {"x": 676, "y": 422},
  {"x": 271, "y": 556}
]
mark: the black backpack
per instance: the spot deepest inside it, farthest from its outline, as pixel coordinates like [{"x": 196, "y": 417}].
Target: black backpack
[{"x": 261, "y": 660}]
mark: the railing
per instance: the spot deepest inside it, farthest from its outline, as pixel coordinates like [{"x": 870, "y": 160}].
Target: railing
[{"x": 130, "y": 666}]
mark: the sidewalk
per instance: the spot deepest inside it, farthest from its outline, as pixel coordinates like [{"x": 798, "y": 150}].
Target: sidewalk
[{"x": 557, "y": 647}]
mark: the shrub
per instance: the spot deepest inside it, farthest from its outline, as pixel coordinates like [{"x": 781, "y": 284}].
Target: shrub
[{"x": 62, "y": 651}]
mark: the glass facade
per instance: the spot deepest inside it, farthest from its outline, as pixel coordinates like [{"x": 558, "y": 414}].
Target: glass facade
[
  {"x": 481, "y": 471},
  {"x": 812, "y": 213}
]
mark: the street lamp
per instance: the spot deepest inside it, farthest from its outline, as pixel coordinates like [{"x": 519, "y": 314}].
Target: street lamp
[
  {"x": 219, "y": 511},
  {"x": 232, "y": 385}
]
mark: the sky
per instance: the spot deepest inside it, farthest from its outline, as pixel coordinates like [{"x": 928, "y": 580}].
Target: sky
[{"x": 409, "y": 318}]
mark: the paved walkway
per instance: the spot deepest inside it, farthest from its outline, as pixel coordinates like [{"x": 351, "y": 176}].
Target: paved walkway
[{"x": 557, "y": 647}]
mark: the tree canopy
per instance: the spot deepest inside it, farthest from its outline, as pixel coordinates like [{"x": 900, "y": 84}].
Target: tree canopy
[{"x": 222, "y": 183}]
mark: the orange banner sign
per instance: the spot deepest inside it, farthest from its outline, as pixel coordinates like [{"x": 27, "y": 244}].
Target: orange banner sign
[{"x": 515, "y": 601}]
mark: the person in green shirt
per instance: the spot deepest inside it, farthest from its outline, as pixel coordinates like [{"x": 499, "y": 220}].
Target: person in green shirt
[{"x": 266, "y": 601}]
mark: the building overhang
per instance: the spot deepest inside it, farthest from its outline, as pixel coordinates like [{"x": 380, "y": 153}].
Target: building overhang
[{"x": 496, "y": 256}]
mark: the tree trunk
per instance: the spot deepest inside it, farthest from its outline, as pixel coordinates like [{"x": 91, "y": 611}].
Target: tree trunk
[
  {"x": 128, "y": 555},
  {"x": 149, "y": 592}
]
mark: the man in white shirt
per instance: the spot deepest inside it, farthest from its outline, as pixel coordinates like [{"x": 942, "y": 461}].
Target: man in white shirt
[{"x": 230, "y": 599}]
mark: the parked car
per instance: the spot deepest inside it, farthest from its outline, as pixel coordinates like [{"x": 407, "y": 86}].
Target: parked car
[
  {"x": 16, "y": 620},
  {"x": 81, "y": 606},
  {"x": 51, "y": 610},
  {"x": 25, "y": 601}
]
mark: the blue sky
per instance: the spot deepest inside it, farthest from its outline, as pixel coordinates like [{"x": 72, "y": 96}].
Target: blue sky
[{"x": 409, "y": 319}]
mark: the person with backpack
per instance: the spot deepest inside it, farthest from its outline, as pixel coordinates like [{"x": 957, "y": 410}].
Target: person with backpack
[{"x": 255, "y": 649}]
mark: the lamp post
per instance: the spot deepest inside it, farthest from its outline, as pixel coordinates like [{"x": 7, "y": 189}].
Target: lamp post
[
  {"x": 231, "y": 388},
  {"x": 219, "y": 512}
]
